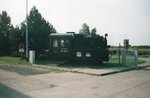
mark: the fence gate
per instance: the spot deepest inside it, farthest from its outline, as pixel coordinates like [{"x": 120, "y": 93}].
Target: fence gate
[{"x": 129, "y": 58}]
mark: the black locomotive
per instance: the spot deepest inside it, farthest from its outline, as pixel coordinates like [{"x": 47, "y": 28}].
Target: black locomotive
[{"x": 76, "y": 47}]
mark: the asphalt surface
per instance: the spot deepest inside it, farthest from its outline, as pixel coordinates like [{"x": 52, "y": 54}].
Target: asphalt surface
[
  {"x": 43, "y": 84},
  {"x": 23, "y": 69}
]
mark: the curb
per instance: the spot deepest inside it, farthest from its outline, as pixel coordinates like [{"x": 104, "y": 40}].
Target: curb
[
  {"x": 114, "y": 72},
  {"x": 109, "y": 73},
  {"x": 103, "y": 74}
]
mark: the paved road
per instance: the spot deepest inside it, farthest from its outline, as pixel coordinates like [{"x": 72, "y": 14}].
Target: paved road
[{"x": 131, "y": 84}]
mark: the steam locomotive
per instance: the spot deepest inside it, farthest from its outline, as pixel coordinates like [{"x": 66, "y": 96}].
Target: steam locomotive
[{"x": 77, "y": 47}]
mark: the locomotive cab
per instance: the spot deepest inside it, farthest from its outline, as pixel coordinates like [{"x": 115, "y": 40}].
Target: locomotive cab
[{"x": 60, "y": 46}]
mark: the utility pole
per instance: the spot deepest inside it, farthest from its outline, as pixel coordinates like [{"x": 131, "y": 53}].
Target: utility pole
[
  {"x": 26, "y": 29},
  {"x": 119, "y": 54}
]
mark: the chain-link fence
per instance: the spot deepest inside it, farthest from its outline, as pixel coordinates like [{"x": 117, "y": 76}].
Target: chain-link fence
[{"x": 129, "y": 58}]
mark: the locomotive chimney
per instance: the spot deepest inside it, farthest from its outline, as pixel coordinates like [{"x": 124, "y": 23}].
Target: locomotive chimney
[{"x": 106, "y": 35}]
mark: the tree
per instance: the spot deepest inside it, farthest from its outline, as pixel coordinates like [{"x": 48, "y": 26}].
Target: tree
[
  {"x": 15, "y": 37},
  {"x": 39, "y": 30},
  {"x": 85, "y": 30},
  {"x": 5, "y": 25},
  {"x": 93, "y": 33}
]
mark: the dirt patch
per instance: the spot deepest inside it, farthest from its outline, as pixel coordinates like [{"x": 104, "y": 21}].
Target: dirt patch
[
  {"x": 24, "y": 69},
  {"x": 52, "y": 85}
]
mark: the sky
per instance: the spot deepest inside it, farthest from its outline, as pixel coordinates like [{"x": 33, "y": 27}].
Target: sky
[{"x": 120, "y": 19}]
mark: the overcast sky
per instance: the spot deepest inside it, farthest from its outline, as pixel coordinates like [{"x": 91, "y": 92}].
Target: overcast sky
[{"x": 121, "y": 19}]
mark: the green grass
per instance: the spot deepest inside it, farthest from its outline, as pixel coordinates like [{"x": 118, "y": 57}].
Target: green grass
[
  {"x": 48, "y": 62},
  {"x": 14, "y": 60},
  {"x": 114, "y": 60},
  {"x": 26, "y": 68}
]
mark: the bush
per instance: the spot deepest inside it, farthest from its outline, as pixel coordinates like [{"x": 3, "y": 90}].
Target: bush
[{"x": 144, "y": 52}]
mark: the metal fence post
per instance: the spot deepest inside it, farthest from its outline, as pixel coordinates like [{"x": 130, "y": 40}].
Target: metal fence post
[
  {"x": 119, "y": 54},
  {"x": 124, "y": 57},
  {"x": 136, "y": 58}
]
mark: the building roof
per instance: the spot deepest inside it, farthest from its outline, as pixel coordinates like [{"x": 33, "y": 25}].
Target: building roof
[{"x": 54, "y": 35}]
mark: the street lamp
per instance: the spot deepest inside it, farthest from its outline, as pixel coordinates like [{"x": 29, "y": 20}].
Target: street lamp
[{"x": 26, "y": 29}]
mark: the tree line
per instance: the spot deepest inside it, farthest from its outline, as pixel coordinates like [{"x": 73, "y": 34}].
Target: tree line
[{"x": 38, "y": 32}]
